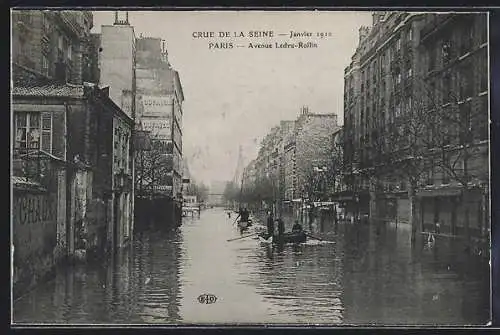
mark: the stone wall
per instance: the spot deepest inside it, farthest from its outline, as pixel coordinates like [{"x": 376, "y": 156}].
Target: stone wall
[{"x": 35, "y": 237}]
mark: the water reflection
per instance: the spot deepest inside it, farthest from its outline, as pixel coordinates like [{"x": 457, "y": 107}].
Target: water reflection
[
  {"x": 140, "y": 284},
  {"x": 357, "y": 275}
]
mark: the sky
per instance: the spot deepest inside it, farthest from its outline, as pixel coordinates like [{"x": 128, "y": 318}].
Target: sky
[{"x": 235, "y": 96}]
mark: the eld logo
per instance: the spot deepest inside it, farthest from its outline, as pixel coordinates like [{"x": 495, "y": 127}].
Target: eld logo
[{"x": 207, "y": 298}]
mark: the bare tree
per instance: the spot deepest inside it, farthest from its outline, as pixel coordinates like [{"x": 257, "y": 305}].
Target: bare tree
[
  {"x": 455, "y": 135},
  {"x": 153, "y": 168}
]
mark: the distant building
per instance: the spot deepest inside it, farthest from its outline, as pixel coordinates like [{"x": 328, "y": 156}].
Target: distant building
[{"x": 289, "y": 154}]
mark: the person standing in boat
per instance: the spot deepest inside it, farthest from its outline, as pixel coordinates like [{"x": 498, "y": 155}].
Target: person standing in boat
[
  {"x": 243, "y": 215},
  {"x": 281, "y": 229}
]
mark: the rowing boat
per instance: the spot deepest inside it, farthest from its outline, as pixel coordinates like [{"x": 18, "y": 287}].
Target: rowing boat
[
  {"x": 290, "y": 237},
  {"x": 244, "y": 224}
]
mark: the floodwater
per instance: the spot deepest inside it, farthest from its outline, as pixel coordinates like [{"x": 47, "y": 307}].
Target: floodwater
[{"x": 354, "y": 276}]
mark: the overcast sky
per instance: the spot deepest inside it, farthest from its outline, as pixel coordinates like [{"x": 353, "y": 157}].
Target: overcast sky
[{"x": 235, "y": 96}]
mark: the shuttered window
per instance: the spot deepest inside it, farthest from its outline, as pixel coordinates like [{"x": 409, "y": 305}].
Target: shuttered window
[{"x": 33, "y": 131}]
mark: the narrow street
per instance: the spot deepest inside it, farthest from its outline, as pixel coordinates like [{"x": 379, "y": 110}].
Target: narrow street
[{"x": 354, "y": 276}]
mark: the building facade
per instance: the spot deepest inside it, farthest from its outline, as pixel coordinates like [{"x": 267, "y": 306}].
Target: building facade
[
  {"x": 62, "y": 139},
  {"x": 53, "y": 42},
  {"x": 416, "y": 84},
  {"x": 159, "y": 108},
  {"x": 455, "y": 191},
  {"x": 117, "y": 53}
]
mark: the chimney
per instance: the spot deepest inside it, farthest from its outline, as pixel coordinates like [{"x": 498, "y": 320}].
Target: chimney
[{"x": 377, "y": 17}]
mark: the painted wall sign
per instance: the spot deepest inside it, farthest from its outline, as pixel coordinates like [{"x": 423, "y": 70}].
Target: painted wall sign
[
  {"x": 159, "y": 128},
  {"x": 157, "y": 106}
]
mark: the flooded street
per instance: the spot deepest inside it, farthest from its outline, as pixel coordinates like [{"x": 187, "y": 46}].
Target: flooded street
[{"x": 353, "y": 276}]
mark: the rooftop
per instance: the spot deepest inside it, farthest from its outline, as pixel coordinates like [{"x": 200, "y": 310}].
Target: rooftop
[
  {"x": 51, "y": 90},
  {"x": 27, "y": 82}
]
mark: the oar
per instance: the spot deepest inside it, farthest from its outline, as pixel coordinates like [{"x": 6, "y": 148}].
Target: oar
[
  {"x": 239, "y": 238},
  {"x": 312, "y": 236}
]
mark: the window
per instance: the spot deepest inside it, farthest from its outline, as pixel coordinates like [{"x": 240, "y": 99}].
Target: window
[
  {"x": 398, "y": 44},
  {"x": 47, "y": 132},
  {"x": 446, "y": 51},
  {"x": 45, "y": 23},
  {"x": 398, "y": 109},
  {"x": 45, "y": 65},
  {"x": 398, "y": 78},
  {"x": 409, "y": 72},
  {"x": 60, "y": 44},
  {"x": 31, "y": 128},
  {"x": 69, "y": 52},
  {"x": 479, "y": 121},
  {"x": 410, "y": 34},
  {"x": 124, "y": 152},
  {"x": 430, "y": 174},
  {"x": 465, "y": 123}
]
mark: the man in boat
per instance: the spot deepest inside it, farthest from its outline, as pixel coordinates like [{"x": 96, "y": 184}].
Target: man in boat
[
  {"x": 281, "y": 229},
  {"x": 297, "y": 227}
]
